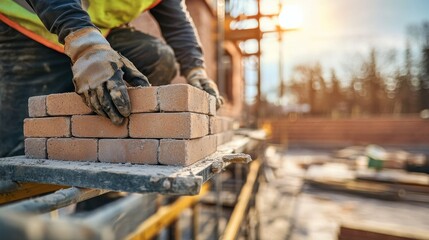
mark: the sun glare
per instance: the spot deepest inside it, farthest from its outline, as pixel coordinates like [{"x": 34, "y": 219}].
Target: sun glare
[{"x": 291, "y": 16}]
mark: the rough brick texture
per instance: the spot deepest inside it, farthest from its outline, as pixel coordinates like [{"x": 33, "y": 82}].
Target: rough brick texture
[
  {"x": 37, "y": 106},
  {"x": 212, "y": 106},
  {"x": 168, "y": 125},
  {"x": 143, "y": 99},
  {"x": 185, "y": 152},
  {"x": 97, "y": 127},
  {"x": 64, "y": 104},
  {"x": 35, "y": 148},
  {"x": 141, "y": 151},
  {"x": 224, "y": 137},
  {"x": 47, "y": 127},
  {"x": 220, "y": 124},
  {"x": 183, "y": 98},
  {"x": 72, "y": 149}
]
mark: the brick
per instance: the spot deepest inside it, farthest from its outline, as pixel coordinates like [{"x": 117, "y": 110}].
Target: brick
[
  {"x": 220, "y": 124},
  {"x": 143, "y": 99},
  {"x": 35, "y": 148},
  {"x": 168, "y": 125},
  {"x": 37, "y": 106},
  {"x": 94, "y": 126},
  {"x": 64, "y": 104},
  {"x": 224, "y": 137},
  {"x": 185, "y": 152},
  {"x": 212, "y": 106},
  {"x": 72, "y": 149},
  {"x": 47, "y": 127},
  {"x": 140, "y": 151},
  {"x": 183, "y": 98}
]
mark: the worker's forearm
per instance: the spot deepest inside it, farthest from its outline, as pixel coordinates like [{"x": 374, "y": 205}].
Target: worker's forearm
[
  {"x": 61, "y": 16},
  {"x": 178, "y": 30}
]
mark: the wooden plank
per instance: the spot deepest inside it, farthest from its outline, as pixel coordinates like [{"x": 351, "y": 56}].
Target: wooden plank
[
  {"x": 377, "y": 230},
  {"x": 165, "y": 216},
  {"x": 237, "y": 216},
  {"x": 26, "y": 190},
  {"x": 126, "y": 177},
  {"x": 394, "y": 176}
]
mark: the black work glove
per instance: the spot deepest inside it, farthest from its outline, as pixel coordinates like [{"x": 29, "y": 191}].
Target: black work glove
[
  {"x": 197, "y": 77},
  {"x": 99, "y": 73}
]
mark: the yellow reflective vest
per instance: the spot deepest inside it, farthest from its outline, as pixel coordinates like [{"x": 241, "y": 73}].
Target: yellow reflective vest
[{"x": 104, "y": 14}]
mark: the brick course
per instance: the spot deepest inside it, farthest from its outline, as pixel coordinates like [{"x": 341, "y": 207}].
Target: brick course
[
  {"x": 47, "y": 127},
  {"x": 143, "y": 99},
  {"x": 72, "y": 149},
  {"x": 186, "y": 152},
  {"x": 64, "y": 104},
  {"x": 212, "y": 106},
  {"x": 220, "y": 124},
  {"x": 95, "y": 126},
  {"x": 183, "y": 98},
  {"x": 181, "y": 125},
  {"x": 140, "y": 151}
]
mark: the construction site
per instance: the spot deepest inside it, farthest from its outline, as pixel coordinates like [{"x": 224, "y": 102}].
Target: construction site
[{"x": 279, "y": 119}]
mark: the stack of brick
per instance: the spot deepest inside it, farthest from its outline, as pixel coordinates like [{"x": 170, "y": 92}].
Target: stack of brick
[{"x": 172, "y": 125}]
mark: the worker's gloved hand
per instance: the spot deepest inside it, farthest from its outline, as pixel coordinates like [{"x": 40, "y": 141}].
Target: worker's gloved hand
[
  {"x": 98, "y": 74},
  {"x": 197, "y": 77}
]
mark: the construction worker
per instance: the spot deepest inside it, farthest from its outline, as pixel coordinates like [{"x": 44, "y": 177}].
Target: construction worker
[{"x": 93, "y": 37}]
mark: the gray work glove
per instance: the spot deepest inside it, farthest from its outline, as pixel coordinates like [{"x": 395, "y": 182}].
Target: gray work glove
[
  {"x": 99, "y": 73},
  {"x": 197, "y": 77}
]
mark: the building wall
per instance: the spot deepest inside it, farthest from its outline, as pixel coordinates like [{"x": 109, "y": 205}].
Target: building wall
[
  {"x": 205, "y": 23},
  {"x": 327, "y": 132}
]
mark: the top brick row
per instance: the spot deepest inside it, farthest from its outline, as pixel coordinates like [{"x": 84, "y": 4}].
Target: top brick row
[{"x": 169, "y": 98}]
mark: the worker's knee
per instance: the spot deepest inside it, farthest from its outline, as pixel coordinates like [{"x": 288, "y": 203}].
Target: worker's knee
[{"x": 164, "y": 69}]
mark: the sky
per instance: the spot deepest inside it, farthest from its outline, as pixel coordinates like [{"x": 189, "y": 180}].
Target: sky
[{"x": 336, "y": 33}]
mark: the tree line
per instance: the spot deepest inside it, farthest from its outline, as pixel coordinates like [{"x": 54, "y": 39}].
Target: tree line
[{"x": 372, "y": 88}]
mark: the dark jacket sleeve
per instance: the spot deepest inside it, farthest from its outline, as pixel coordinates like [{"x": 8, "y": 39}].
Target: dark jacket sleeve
[
  {"x": 179, "y": 32},
  {"x": 61, "y": 17}
]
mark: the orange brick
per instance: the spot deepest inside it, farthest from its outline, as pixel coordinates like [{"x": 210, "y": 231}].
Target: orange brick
[
  {"x": 168, "y": 125},
  {"x": 64, "y": 104},
  {"x": 47, "y": 127},
  {"x": 183, "y": 98},
  {"x": 35, "y": 148},
  {"x": 212, "y": 106},
  {"x": 143, "y": 99},
  {"x": 37, "y": 106},
  {"x": 185, "y": 152},
  {"x": 97, "y": 127},
  {"x": 72, "y": 149},
  {"x": 140, "y": 151}
]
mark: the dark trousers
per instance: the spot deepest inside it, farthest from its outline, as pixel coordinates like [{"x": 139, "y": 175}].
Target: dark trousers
[{"x": 28, "y": 68}]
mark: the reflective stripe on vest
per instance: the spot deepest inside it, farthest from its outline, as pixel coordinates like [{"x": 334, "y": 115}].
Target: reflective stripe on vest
[{"x": 104, "y": 14}]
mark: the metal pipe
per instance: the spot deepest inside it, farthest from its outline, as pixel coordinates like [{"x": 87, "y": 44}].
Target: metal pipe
[
  {"x": 121, "y": 217},
  {"x": 47, "y": 203}
]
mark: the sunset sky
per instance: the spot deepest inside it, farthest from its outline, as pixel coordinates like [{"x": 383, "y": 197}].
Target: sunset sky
[{"x": 338, "y": 33}]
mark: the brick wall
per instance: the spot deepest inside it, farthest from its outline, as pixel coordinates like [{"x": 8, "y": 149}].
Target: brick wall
[{"x": 376, "y": 130}]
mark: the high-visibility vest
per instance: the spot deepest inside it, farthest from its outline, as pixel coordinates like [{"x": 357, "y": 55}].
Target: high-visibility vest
[{"x": 104, "y": 14}]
